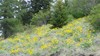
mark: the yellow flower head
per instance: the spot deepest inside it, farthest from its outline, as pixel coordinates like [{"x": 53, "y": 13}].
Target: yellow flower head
[
  {"x": 45, "y": 46},
  {"x": 54, "y": 41},
  {"x": 35, "y": 39},
  {"x": 30, "y": 51},
  {"x": 69, "y": 25},
  {"x": 69, "y": 31},
  {"x": 13, "y": 51},
  {"x": 78, "y": 44},
  {"x": 89, "y": 35},
  {"x": 81, "y": 39},
  {"x": 79, "y": 28},
  {"x": 69, "y": 41}
]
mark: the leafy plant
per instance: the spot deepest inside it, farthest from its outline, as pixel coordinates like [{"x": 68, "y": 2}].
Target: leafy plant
[
  {"x": 41, "y": 18},
  {"x": 95, "y": 16},
  {"x": 11, "y": 26}
]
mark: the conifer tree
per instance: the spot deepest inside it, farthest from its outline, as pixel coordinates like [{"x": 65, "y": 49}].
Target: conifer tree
[
  {"x": 59, "y": 14},
  {"x": 8, "y": 11}
]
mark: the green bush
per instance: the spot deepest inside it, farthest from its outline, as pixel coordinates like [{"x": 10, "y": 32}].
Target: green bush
[
  {"x": 95, "y": 10},
  {"x": 95, "y": 16},
  {"x": 81, "y": 8},
  {"x": 70, "y": 18},
  {"x": 11, "y": 26},
  {"x": 40, "y": 18}
]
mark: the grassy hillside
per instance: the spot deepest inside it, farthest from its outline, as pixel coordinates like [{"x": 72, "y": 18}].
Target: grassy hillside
[{"x": 76, "y": 38}]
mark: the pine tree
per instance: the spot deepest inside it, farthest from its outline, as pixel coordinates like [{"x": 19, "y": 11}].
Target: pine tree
[
  {"x": 24, "y": 13},
  {"x": 39, "y": 5},
  {"x": 32, "y": 7},
  {"x": 8, "y": 11},
  {"x": 59, "y": 15}
]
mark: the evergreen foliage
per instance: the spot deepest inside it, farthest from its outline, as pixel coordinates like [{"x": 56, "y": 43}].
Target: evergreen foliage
[
  {"x": 39, "y": 5},
  {"x": 9, "y": 11},
  {"x": 59, "y": 14},
  {"x": 95, "y": 16},
  {"x": 41, "y": 18},
  {"x": 11, "y": 26},
  {"x": 81, "y": 8}
]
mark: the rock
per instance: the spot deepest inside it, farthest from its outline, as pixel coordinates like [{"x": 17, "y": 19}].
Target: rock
[
  {"x": 97, "y": 41},
  {"x": 91, "y": 55},
  {"x": 97, "y": 53}
]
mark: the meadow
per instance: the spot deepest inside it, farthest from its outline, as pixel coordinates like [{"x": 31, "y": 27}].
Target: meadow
[{"x": 74, "y": 39}]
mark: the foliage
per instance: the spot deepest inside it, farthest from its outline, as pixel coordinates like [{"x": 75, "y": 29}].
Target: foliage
[
  {"x": 7, "y": 8},
  {"x": 11, "y": 26},
  {"x": 30, "y": 8},
  {"x": 39, "y": 5},
  {"x": 26, "y": 17},
  {"x": 81, "y": 8},
  {"x": 59, "y": 14},
  {"x": 95, "y": 9},
  {"x": 45, "y": 41},
  {"x": 95, "y": 16},
  {"x": 24, "y": 14},
  {"x": 70, "y": 18},
  {"x": 41, "y": 18}
]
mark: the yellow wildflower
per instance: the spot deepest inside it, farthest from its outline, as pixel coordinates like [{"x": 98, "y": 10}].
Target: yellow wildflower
[
  {"x": 49, "y": 44},
  {"x": 89, "y": 35},
  {"x": 30, "y": 51},
  {"x": 69, "y": 41},
  {"x": 13, "y": 51},
  {"x": 45, "y": 46},
  {"x": 11, "y": 40},
  {"x": 35, "y": 39},
  {"x": 39, "y": 33},
  {"x": 54, "y": 41},
  {"x": 22, "y": 41},
  {"x": 79, "y": 28},
  {"x": 81, "y": 39},
  {"x": 69, "y": 25},
  {"x": 16, "y": 39},
  {"x": 69, "y": 31},
  {"x": 16, "y": 46},
  {"x": 78, "y": 44}
]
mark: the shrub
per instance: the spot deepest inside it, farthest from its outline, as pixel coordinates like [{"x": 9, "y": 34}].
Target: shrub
[
  {"x": 81, "y": 8},
  {"x": 40, "y": 18},
  {"x": 95, "y": 16},
  {"x": 70, "y": 18},
  {"x": 95, "y": 9},
  {"x": 11, "y": 26}
]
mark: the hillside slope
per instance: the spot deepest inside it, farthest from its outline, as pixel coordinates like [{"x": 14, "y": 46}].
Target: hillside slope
[{"x": 76, "y": 38}]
